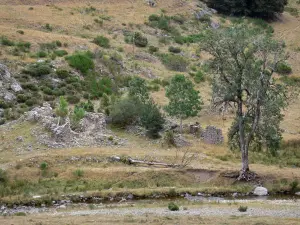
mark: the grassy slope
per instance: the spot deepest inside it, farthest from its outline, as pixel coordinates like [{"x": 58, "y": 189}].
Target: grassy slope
[{"x": 68, "y": 26}]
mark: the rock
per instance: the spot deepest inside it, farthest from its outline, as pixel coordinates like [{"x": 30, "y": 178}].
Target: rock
[
  {"x": 215, "y": 25},
  {"x": 62, "y": 207},
  {"x": 20, "y": 139},
  {"x": 130, "y": 197},
  {"x": 260, "y": 191},
  {"x": 16, "y": 87},
  {"x": 212, "y": 135},
  {"x": 235, "y": 194},
  {"x": 36, "y": 196},
  {"x": 297, "y": 193},
  {"x": 9, "y": 96}
]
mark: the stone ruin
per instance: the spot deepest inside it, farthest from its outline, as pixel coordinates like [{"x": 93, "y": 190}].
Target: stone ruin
[
  {"x": 91, "y": 131},
  {"x": 210, "y": 135}
]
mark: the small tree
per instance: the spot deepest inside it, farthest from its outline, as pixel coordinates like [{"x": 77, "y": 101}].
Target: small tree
[
  {"x": 184, "y": 100},
  {"x": 78, "y": 114},
  {"x": 62, "y": 110},
  {"x": 138, "y": 89},
  {"x": 243, "y": 65}
]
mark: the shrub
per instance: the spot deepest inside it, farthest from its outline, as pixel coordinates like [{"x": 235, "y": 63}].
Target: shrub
[
  {"x": 78, "y": 173},
  {"x": 102, "y": 41},
  {"x": 5, "y": 41},
  {"x": 174, "y": 62},
  {"x": 294, "y": 186},
  {"x": 125, "y": 112},
  {"x": 78, "y": 114},
  {"x": 21, "y": 98},
  {"x": 140, "y": 40},
  {"x": 179, "y": 39},
  {"x": 60, "y": 53},
  {"x": 41, "y": 54},
  {"x": 153, "y": 49},
  {"x": 164, "y": 40},
  {"x": 30, "y": 86},
  {"x": 81, "y": 61},
  {"x": 169, "y": 138},
  {"x": 38, "y": 69},
  {"x": 87, "y": 106},
  {"x": 48, "y": 27},
  {"x": 199, "y": 77},
  {"x": 58, "y": 43},
  {"x": 32, "y": 101},
  {"x": 62, "y": 73},
  {"x": 173, "y": 207},
  {"x": 44, "y": 166},
  {"x": 20, "y": 214},
  {"x": 154, "y": 17},
  {"x": 178, "y": 19},
  {"x": 3, "y": 177},
  {"x": 73, "y": 99},
  {"x": 283, "y": 68},
  {"x": 243, "y": 208},
  {"x": 174, "y": 49}
]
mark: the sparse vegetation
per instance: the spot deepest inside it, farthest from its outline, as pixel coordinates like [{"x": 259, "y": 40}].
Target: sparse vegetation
[
  {"x": 173, "y": 207},
  {"x": 243, "y": 208},
  {"x": 81, "y": 61},
  {"x": 102, "y": 41}
]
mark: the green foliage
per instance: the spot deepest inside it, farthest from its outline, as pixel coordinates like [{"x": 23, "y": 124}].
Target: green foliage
[
  {"x": 243, "y": 208},
  {"x": 3, "y": 177},
  {"x": 44, "y": 166},
  {"x": 62, "y": 73},
  {"x": 102, "y": 41},
  {"x": 125, "y": 111},
  {"x": 174, "y": 62},
  {"x": 283, "y": 68},
  {"x": 20, "y": 214},
  {"x": 161, "y": 22},
  {"x": 21, "y": 32},
  {"x": 184, "y": 100},
  {"x": 294, "y": 186},
  {"x": 62, "y": 109},
  {"x": 60, "y": 53},
  {"x": 153, "y": 49},
  {"x": 199, "y": 77},
  {"x": 78, "y": 173},
  {"x": 73, "y": 99},
  {"x": 140, "y": 40},
  {"x": 78, "y": 114},
  {"x": 138, "y": 89},
  {"x": 173, "y": 207},
  {"x": 263, "y": 8},
  {"x": 97, "y": 87},
  {"x": 152, "y": 119},
  {"x": 41, "y": 54},
  {"x": 174, "y": 49},
  {"x": 292, "y": 11},
  {"x": 48, "y": 27},
  {"x": 81, "y": 61},
  {"x": 87, "y": 106},
  {"x": 6, "y": 42},
  {"x": 37, "y": 69}
]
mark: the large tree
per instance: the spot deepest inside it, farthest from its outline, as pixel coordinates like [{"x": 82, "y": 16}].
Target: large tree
[
  {"x": 256, "y": 8},
  {"x": 184, "y": 100},
  {"x": 243, "y": 63}
]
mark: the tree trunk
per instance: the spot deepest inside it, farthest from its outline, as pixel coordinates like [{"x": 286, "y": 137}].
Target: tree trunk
[{"x": 180, "y": 125}]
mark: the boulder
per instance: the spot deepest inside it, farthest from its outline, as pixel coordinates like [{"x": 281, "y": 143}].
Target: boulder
[
  {"x": 297, "y": 193},
  {"x": 260, "y": 191}
]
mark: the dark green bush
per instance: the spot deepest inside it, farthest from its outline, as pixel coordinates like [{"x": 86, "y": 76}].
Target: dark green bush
[
  {"x": 179, "y": 39},
  {"x": 153, "y": 49},
  {"x": 58, "y": 43},
  {"x": 174, "y": 49},
  {"x": 243, "y": 208},
  {"x": 174, "y": 62},
  {"x": 199, "y": 77},
  {"x": 30, "y": 86},
  {"x": 41, "y": 54},
  {"x": 60, "y": 53},
  {"x": 124, "y": 112},
  {"x": 102, "y": 41},
  {"x": 283, "y": 68},
  {"x": 32, "y": 101},
  {"x": 21, "y": 98},
  {"x": 48, "y": 27},
  {"x": 20, "y": 32},
  {"x": 87, "y": 106},
  {"x": 38, "y": 69},
  {"x": 62, "y": 73},
  {"x": 5, "y": 41},
  {"x": 140, "y": 40},
  {"x": 81, "y": 61},
  {"x": 173, "y": 207},
  {"x": 3, "y": 177},
  {"x": 73, "y": 99},
  {"x": 154, "y": 17}
]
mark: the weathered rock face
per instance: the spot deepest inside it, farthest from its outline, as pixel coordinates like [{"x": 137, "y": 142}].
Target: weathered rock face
[
  {"x": 8, "y": 85},
  {"x": 260, "y": 191},
  {"x": 212, "y": 135},
  {"x": 91, "y": 132}
]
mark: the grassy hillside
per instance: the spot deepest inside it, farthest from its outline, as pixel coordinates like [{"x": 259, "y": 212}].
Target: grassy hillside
[{"x": 72, "y": 26}]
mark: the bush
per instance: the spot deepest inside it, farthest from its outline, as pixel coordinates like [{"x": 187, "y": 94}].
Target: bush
[
  {"x": 243, "y": 208},
  {"x": 32, "y": 101},
  {"x": 174, "y": 49},
  {"x": 41, "y": 54},
  {"x": 125, "y": 112},
  {"x": 199, "y": 77},
  {"x": 179, "y": 39},
  {"x": 173, "y": 207},
  {"x": 60, "y": 53},
  {"x": 169, "y": 138},
  {"x": 58, "y": 43},
  {"x": 153, "y": 49},
  {"x": 102, "y": 41},
  {"x": 174, "y": 62},
  {"x": 73, "y": 99},
  {"x": 294, "y": 186},
  {"x": 20, "y": 32},
  {"x": 62, "y": 73},
  {"x": 38, "y": 69},
  {"x": 44, "y": 166},
  {"x": 154, "y": 17},
  {"x": 3, "y": 177},
  {"x": 5, "y": 41},
  {"x": 30, "y": 86},
  {"x": 81, "y": 61},
  {"x": 140, "y": 40},
  {"x": 87, "y": 106},
  {"x": 78, "y": 173},
  {"x": 283, "y": 68},
  {"x": 48, "y": 27}
]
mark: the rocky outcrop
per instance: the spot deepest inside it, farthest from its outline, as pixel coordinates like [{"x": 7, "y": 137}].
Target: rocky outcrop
[
  {"x": 8, "y": 85},
  {"x": 91, "y": 131}
]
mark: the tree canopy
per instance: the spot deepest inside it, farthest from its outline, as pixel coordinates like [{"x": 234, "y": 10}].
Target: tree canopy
[
  {"x": 243, "y": 65},
  {"x": 255, "y": 8}
]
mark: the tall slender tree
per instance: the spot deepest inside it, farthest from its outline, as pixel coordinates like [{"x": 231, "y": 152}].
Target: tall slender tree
[{"x": 243, "y": 63}]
